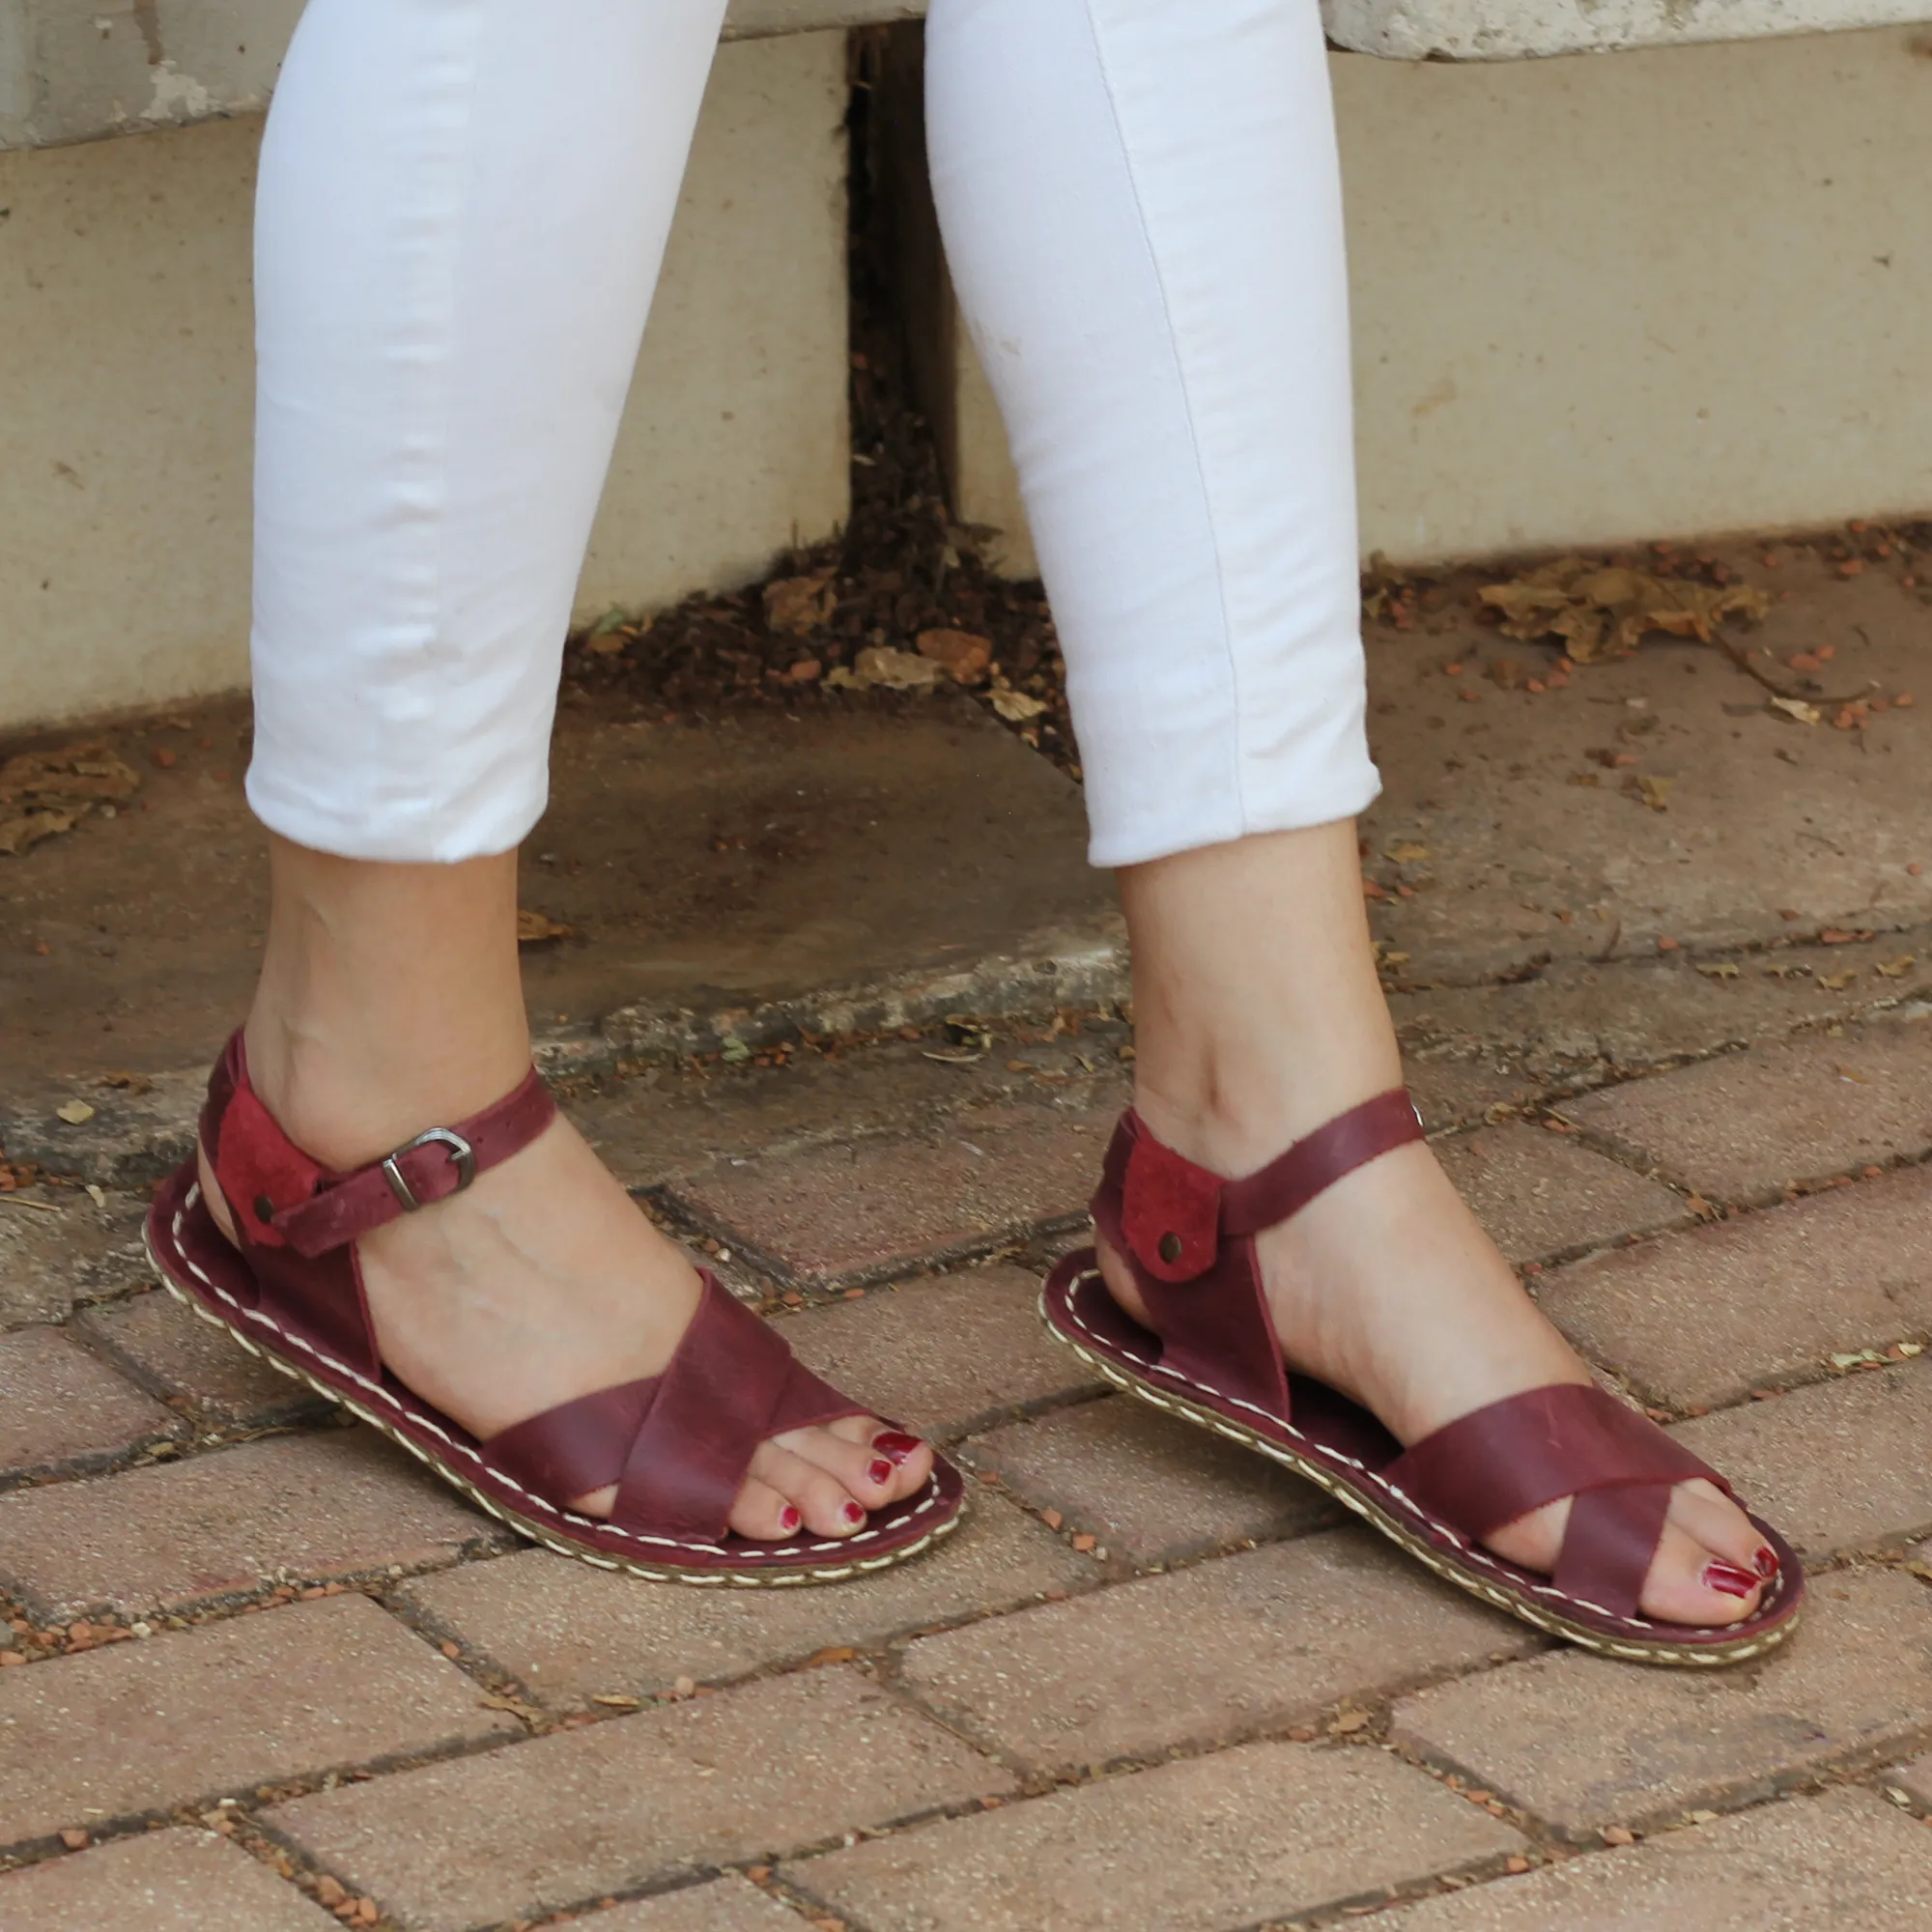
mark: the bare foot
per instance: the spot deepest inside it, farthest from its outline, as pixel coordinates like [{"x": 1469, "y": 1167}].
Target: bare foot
[
  {"x": 1386, "y": 1287},
  {"x": 544, "y": 1281}
]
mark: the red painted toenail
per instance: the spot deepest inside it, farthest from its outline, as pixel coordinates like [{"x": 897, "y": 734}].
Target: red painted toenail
[
  {"x": 881, "y": 1472},
  {"x": 894, "y": 1446},
  {"x": 789, "y": 1518},
  {"x": 1766, "y": 1560},
  {"x": 853, "y": 1515},
  {"x": 1729, "y": 1579}
]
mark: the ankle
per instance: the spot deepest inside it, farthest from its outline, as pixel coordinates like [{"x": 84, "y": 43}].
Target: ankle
[
  {"x": 347, "y": 1091},
  {"x": 1233, "y": 1111},
  {"x": 389, "y": 999}
]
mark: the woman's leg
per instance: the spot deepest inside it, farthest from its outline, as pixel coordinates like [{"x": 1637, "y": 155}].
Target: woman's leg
[
  {"x": 462, "y": 211},
  {"x": 1143, "y": 216}
]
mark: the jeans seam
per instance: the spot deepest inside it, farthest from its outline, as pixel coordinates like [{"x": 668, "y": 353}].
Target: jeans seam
[
  {"x": 1187, "y": 403},
  {"x": 442, "y": 328}
]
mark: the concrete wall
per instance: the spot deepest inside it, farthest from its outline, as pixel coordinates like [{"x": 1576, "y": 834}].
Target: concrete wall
[
  {"x": 1604, "y": 298},
  {"x": 1492, "y": 30},
  {"x": 78, "y": 70},
  {"x": 1596, "y": 300},
  {"x": 125, "y": 388},
  {"x": 1641, "y": 295}
]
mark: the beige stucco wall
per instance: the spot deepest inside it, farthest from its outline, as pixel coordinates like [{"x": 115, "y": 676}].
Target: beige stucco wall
[
  {"x": 1622, "y": 295},
  {"x": 1642, "y": 293},
  {"x": 74, "y": 72},
  {"x": 1597, "y": 298},
  {"x": 125, "y": 388}
]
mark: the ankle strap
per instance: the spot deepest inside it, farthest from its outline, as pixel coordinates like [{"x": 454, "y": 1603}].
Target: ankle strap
[
  {"x": 286, "y": 1198},
  {"x": 1175, "y": 1215},
  {"x": 1315, "y": 1164},
  {"x": 437, "y": 1164}
]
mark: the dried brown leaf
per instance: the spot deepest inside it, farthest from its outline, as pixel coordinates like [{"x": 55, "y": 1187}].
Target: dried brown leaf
[
  {"x": 889, "y": 669},
  {"x": 796, "y": 606},
  {"x": 533, "y": 928},
  {"x": 964, "y": 657},
  {"x": 22, "y": 830},
  {"x": 1015, "y": 706},
  {"x": 1521, "y": 600},
  {"x": 1608, "y": 610},
  {"x": 76, "y": 775}
]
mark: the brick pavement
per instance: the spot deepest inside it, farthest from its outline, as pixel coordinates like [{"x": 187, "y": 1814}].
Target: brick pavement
[
  {"x": 193, "y": 1532},
  {"x": 1541, "y": 1195},
  {"x": 62, "y": 1411},
  {"x": 1743, "y": 1127},
  {"x": 946, "y": 1356},
  {"x": 189, "y": 1364},
  {"x": 1580, "y": 1744},
  {"x": 188, "y": 1877},
  {"x": 1760, "y": 1300},
  {"x": 194, "y": 1714},
  {"x": 1150, "y": 1489},
  {"x": 1841, "y": 1466},
  {"x": 1256, "y": 1833},
  {"x": 1149, "y": 1683},
  {"x": 1840, "y": 1861},
  {"x": 747, "y": 1775}
]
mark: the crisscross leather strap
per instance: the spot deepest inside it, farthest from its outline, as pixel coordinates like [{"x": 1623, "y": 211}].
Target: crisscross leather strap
[
  {"x": 1190, "y": 1238},
  {"x": 677, "y": 1446},
  {"x": 1499, "y": 1463}
]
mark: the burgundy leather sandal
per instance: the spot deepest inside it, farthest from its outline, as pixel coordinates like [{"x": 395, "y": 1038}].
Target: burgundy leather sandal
[
  {"x": 1213, "y": 1358},
  {"x": 676, "y": 1445}
]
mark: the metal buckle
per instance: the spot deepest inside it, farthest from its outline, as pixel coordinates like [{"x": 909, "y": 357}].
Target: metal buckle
[{"x": 460, "y": 1152}]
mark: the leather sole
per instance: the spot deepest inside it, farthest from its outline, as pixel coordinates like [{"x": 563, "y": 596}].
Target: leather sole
[
  {"x": 773, "y": 1568},
  {"x": 1103, "y": 1342}
]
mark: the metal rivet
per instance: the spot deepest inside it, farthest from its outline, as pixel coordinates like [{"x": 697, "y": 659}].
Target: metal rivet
[
  {"x": 1170, "y": 1246},
  {"x": 265, "y": 1209}
]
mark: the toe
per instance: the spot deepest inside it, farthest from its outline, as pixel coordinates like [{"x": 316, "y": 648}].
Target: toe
[
  {"x": 1705, "y": 1513},
  {"x": 1691, "y": 1584},
  {"x": 764, "y": 1514},
  {"x": 876, "y": 1464},
  {"x": 1707, "y": 1572},
  {"x": 828, "y": 1507}
]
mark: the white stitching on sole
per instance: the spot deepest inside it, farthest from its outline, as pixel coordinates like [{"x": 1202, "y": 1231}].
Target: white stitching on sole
[
  {"x": 1509, "y": 1596},
  {"x": 763, "y": 1578}
]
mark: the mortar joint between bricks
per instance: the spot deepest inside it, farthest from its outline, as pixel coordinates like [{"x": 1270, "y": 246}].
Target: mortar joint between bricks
[
  {"x": 1887, "y": 1787},
  {"x": 891, "y": 1828},
  {"x": 588, "y": 1911},
  {"x": 158, "y": 1448},
  {"x": 811, "y": 1909},
  {"x": 482, "y": 1670},
  {"x": 109, "y": 1624},
  {"x": 245, "y": 1831},
  {"x": 1459, "y": 1778},
  {"x": 1468, "y": 1877}
]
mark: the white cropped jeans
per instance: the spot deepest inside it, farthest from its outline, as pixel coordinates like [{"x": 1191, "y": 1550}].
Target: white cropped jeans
[{"x": 464, "y": 206}]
